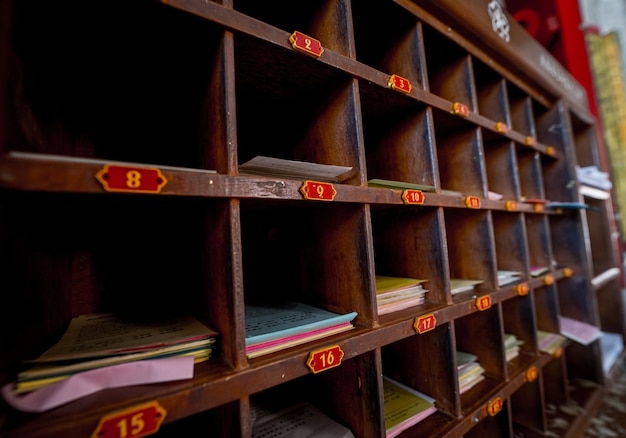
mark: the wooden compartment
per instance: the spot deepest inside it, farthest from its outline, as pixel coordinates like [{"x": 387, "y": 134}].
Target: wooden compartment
[
  {"x": 449, "y": 68},
  {"x": 463, "y": 169},
  {"x": 395, "y": 49},
  {"x": 401, "y": 236},
  {"x": 190, "y": 90},
  {"x": 480, "y": 334}
]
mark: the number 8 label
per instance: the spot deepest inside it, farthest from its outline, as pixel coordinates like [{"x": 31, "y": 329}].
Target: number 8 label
[{"x": 131, "y": 179}]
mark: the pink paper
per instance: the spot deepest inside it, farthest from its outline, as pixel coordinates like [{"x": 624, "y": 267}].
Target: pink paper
[{"x": 85, "y": 383}]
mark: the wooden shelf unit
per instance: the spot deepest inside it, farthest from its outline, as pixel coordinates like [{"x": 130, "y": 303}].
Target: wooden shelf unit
[{"x": 193, "y": 86}]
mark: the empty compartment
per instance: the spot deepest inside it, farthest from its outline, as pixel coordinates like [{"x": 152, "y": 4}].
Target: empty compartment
[
  {"x": 502, "y": 169},
  {"x": 471, "y": 249},
  {"x": 311, "y": 105},
  {"x": 585, "y": 139},
  {"x": 602, "y": 254},
  {"x": 397, "y": 46},
  {"x": 530, "y": 174},
  {"x": 522, "y": 117},
  {"x": 493, "y": 425},
  {"x": 610, "y": 299},
  {"x": 406, "y": 242},
  {"x": 326, "y": 21},
  {"x": 539, "y": 244},
  {"x": 528, "y": 406},
  {"x": 449, "y": 68},
  {"x": 492, "y": 94},
  {"x": 110, "y": 101},
  {"x": 511, "y": 243},
  {"x": 460, "y": 151},
  {"x": 398, "y": 138}
]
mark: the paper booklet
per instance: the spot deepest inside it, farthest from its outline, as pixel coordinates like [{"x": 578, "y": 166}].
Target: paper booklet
[
  {"x": 106, "y": 334},
  {"x": 270, "y": 321},
  {"x": 404, "y": 406},
  {"x": 278, "y": 167}
]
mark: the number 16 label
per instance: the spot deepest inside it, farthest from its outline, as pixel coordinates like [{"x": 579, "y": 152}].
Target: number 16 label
[{"x": 325, "y": 359}]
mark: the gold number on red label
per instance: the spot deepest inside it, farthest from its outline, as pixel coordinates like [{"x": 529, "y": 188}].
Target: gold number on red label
[
  {"x": 483, "y": 303},
  {"x": 510, "y": 205},
  {"x": 472, "y": 202},
  {"x": 396, "y": 82},
  {"x": 319, "y": 191},
  {"x": 325, "y": 359},
  {"x": 522, "y": 289},
  {"x": 460, "y": 109},
  {"x": 131, "y": 179},
  {"x": 425, "y": 323},
  {"x": 136, "y": 422},
  {"x": 413, "y": 196},
  {"x": 531, "y": 374},
  {"x": 568, "y": 272},
  {"x": 494, "y": 406},
  {"x": 306, "y": 44}
]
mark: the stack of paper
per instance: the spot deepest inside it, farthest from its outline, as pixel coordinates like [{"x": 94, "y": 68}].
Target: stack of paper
[
  {"x": 536, "y": 271},
  {"x": 579, "y": 331},
  {"x": 396, "y": 293},
  {"x": 593, "y": 176},
  {"x": 294, "y": 421},
  {"x": 404, "y": 406},
  {"x": 460, "y": 285},
  {"x": 272, "y": 327},
  {"x": 612, "y": 347},
  {"x": 549, "y": 342},
  {"x": 508, "y": 277},
  {"x": 278, "y": 167},
  {"x": 470, "y": 371},
  {"x": 99, "y": 340},
  {"x": 511, "y": 346},
  {"x": 399, "y": 185}
]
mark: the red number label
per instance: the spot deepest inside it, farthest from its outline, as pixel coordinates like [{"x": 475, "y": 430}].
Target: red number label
[
  {"x": 131, "y": 179},
  {"x": 325, "y": 359},
  {"x": 494, "y": 406},
  {"x": 472, "y": 202},
  {"x": 522, "y": 289},
  {"x": 531, "y": 374},
  {"x": 483, "y": 303},
  {"x": 460, "y": 109},
  {"x": 510, "y": 205},
  {"x": 398, "y": 83},
  {"x": 318, "y": 191},
  {"x": 413, "y": 196},
  {"x": 306, "y": 44},
  {"x": 425, "y": 323},
  {"x": 136, "y": 422}
]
